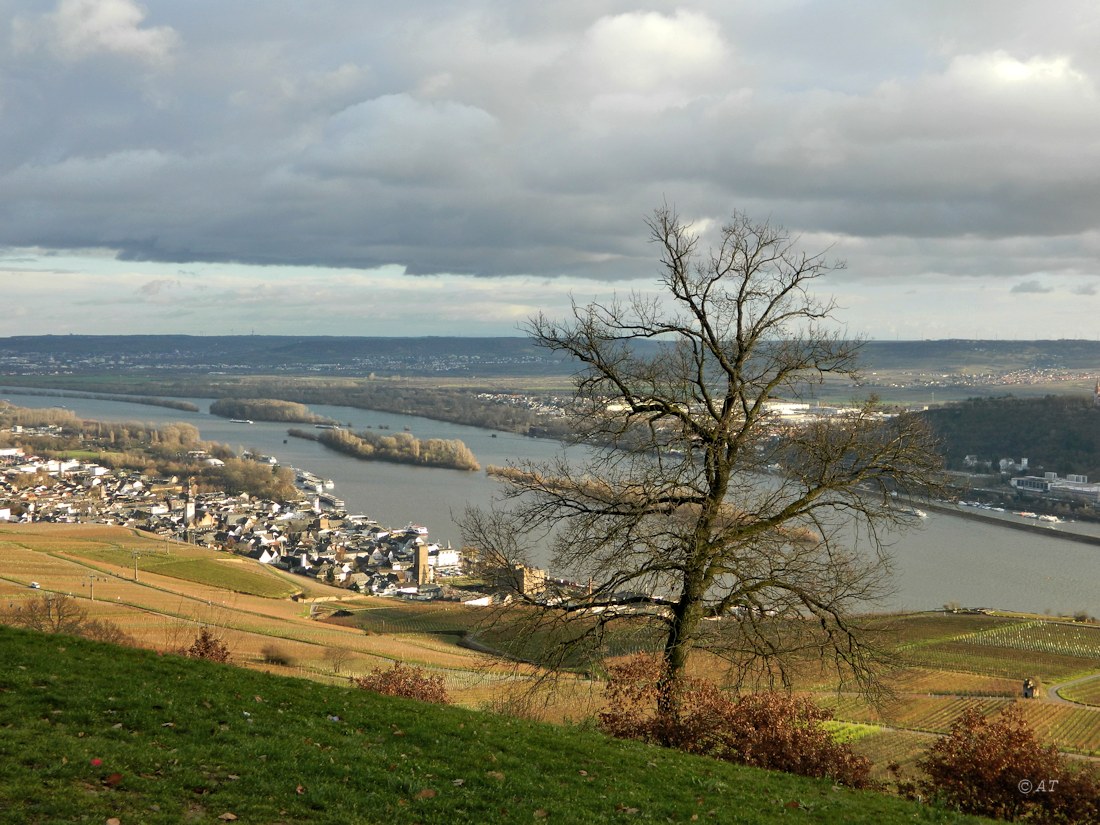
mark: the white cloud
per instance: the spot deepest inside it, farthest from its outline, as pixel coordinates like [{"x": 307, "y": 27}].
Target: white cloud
[
  {"x": 82, "y": 28},
  {"x": 649, "y": 52},
  {"x": 398, "y": 138}
]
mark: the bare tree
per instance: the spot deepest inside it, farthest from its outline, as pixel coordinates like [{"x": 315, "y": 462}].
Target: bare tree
[
  {"x": 699, "y": 515},
  {"x": 338, "y": 658},
  {"x": 49, "y": 613}
]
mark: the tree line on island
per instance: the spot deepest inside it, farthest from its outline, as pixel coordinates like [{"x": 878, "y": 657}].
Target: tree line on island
[
  {"x": 266, "y": 409},
  {"x": 454, "y": 405},
  {"x": 168, "y": 450},
  {"x": 399, "y": 448},
  {"x": 457, "y": 406}
]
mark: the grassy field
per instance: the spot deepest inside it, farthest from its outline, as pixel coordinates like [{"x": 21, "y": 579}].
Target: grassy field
[
  {"x": 118, "y": 549},
  {"x": 953, "y": 660},
  {"x": 92, "y": 732}
]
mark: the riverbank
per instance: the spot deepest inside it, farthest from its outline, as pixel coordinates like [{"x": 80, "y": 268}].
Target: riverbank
[
  {"x": 1045, "y": 529},
  {"x": 942, "y": 559}
]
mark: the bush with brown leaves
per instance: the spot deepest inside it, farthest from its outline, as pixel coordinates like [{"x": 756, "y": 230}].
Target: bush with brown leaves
[
  {"x": 998, "y": 767},
  {"x": 766, "y": 730},
  {"x": 208, "y": 646},
  {"x": 406, "y": 681}
]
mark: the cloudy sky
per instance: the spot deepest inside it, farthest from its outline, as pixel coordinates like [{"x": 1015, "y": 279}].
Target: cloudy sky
[{"x": 437, "y": 167}]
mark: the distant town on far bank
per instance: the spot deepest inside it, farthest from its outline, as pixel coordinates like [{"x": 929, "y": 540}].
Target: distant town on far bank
[{"x": 945, "y": 363}]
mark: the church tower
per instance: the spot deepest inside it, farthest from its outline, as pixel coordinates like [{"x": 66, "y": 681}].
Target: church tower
[{"x": 189, "y": 503}]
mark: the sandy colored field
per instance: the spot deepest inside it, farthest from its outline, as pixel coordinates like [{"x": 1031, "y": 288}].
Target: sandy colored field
[{"x": 164, "y": 612}]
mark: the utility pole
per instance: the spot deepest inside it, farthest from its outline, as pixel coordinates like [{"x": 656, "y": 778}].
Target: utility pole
[{"x": 136, "y": 557}]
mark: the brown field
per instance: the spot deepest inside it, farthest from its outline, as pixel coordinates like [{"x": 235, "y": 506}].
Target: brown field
[{"x": 163, "y": 612}]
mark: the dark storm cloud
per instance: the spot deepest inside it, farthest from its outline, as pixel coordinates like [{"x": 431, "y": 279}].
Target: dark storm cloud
[{"x": 1031, "y": 287}]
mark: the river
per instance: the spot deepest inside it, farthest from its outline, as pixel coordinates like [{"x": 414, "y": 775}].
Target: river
[{"x": 947, "y": 559}]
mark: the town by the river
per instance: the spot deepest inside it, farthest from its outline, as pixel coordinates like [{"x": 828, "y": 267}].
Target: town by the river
[{"x": 949, "y": 559}]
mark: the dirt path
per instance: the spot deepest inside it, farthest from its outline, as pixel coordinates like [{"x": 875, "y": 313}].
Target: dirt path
[{"x": 1054, "y": 692}]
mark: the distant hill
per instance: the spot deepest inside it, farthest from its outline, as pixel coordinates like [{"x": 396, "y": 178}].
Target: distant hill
[
  {"x": 239, "y": 353},
  {"x": 953, "y": 355},
  {"x": 1057, "y": 433},
  {"x": 462, "y": 356}
]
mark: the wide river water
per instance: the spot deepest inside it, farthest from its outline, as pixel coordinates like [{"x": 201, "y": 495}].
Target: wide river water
[{"x": 947, "y": 559}]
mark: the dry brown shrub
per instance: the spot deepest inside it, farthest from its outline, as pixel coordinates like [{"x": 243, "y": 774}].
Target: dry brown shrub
[
  {"x": 766, "y": 730},
  {"x": 208, "y": 646},
  {"x": 405, "y": 681},
  {"x": 58, "y": 613},
  {"x": 998, "y": 767}
]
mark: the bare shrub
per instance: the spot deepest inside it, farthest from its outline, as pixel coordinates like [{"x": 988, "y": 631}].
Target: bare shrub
[
  {"x": 766, "y": 730},
  {"x": 58, "y": 613},
  {"x": 274, "y": 655},
  {"x": 406, "y": 681},
  {"x": 998, "y": 767},
  {"x": 337, "y": 658},
  {"x": 208, "y": 646},
  {"x": 101, "y": 630},
  {"x": 49, "y": 613}
]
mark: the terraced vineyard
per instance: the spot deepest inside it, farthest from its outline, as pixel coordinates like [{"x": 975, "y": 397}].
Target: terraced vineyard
[
  {"x": 232, "y": 573},
  {"x": 410, "y": 617},
  {"x": 1012, "y": 649},
  {"x": 1087, "y": 693},
  {"x": 933, "y": 714},
  {"x": 1059, "y": 638},
  {"x": 124, "y": 549},
  {"x": 1070, "y": 728},
  {"x": 901, "y": 747}
]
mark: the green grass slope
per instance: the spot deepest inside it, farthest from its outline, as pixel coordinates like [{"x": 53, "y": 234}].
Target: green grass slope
[{"x": 90, "y": 732}]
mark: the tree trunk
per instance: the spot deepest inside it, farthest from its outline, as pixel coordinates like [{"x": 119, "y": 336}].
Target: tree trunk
[{"x": 678, "y": 645}]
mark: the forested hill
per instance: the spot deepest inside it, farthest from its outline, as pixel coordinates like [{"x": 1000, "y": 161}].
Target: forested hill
[
  {"x": 1058, "y": 434},
  {"x": 953, "y": 355},
  {"x": 44, "y": 354},
  {"x": 281, "y": 353}
]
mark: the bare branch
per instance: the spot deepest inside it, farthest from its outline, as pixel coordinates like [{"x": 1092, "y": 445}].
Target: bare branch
[{"x": 697, "y": 514}]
